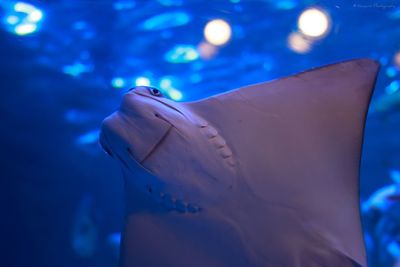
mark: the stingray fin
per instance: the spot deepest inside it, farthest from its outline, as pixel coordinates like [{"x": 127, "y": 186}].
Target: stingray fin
[
  {"x": 298, "y": 142},
  {"x": 308, "y": 84}
]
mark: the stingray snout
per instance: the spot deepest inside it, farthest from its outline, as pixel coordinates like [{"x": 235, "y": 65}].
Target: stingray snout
[
  {"x": 135, "y": 129},
  {"x": 112, "y": 137}
]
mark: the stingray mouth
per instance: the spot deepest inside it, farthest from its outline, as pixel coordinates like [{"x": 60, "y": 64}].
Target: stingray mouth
[
  {"x": 152, "y": 150},
  {"x": 114, "y": 152},
  {"x": 126, "y": 130}
]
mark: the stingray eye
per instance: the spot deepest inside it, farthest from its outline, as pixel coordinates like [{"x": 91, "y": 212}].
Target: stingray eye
[{"x": 155, "y": 92}]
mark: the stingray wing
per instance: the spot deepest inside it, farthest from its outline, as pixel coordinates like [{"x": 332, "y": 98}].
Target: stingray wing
[{"x": 297, "y": 141}]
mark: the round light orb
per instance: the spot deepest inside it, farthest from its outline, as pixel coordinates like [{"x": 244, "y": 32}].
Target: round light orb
[
  {"x": 207, "y": 50},
  {"x": 175, "y": 94},
  {"x": 35, "y": 16},
  {"x": 12, "y": 20},
  {"x": 142, "y": 81},
  {"x": 181, "y": 54},
  {"x": 393, "y": 87},
  {"x": 298, "y": 43},
  {"x": 24, "y": 7},
  {"x": 25, "y": 28},
  {"x": 22, "y": 18},
  {"x": 217, "y": 32},
  {"x": 391, "y": 72},
  {"x": 314, "y": 22},
  {"x": 118, "y": 82}
]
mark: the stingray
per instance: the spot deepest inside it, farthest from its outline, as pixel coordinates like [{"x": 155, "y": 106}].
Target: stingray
[{"x": 264, "y": 175}]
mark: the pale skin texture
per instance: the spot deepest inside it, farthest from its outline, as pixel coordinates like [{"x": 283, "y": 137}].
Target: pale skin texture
[{"x": 265, "y": 175}]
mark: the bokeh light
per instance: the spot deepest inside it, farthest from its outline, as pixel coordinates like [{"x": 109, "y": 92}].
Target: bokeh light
[
  {"x": 314, "y": 22},
  {"x": 77, "y": 68},
  {"x": 207, "y": 50},
  {"x": 391, "y": 72},
  {"x": 397, "y": 59},
  {"x": 88, "y": 137},
  {"x": 166, "y": 20},
  {"x": 22, "y": 18},
  {"x": 12, "y": 20},
  {"x": 118, "y": 82},
  {"x": 168, "y": 85},
  {"x": 182, "y": 54},
  {"x": 142, "y": 81},
  {"x": 393, "y": 87},
  {"x": 25, "y": 29},
  {"x": 217, "y": 32},
  {"x": 298, "y": 43},
  {"x": 175, "y": 94}
]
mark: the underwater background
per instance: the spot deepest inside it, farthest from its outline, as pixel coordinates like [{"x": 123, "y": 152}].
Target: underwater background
[{"x": 64, "y": 65}]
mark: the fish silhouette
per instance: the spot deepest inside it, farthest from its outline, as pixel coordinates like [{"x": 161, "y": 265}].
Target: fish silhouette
[{"x": 265, "y": 175}]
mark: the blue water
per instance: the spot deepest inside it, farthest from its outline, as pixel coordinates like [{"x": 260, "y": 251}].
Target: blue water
[{"x": 65, "y": 64}]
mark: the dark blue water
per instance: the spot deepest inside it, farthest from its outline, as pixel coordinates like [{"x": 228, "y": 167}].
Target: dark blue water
[{"x": 65, "y": 64}]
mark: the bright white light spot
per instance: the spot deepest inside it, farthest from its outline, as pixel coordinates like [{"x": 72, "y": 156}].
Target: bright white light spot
[
  {"x": 175, "y": 94},
  {"x": 35, "y": 16},
  {"x": 23, "y": 18},
  {"x": 118, "y": 82},
  {"x": 217, "y": 32},
  {"x": 298, "y": 43},
  {"x": 314, "y": 22},
  {"x": 24, "y": 7},
  {"x": 142, "y": 81},
  {"x": 25, "y": 28},
  {"x": 12, "y": 20}
]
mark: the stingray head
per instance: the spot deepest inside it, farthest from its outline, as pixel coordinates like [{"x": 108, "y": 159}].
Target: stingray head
[
  {"x": 140, "y": 125},
  {"x": 164, "y": 148}
]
